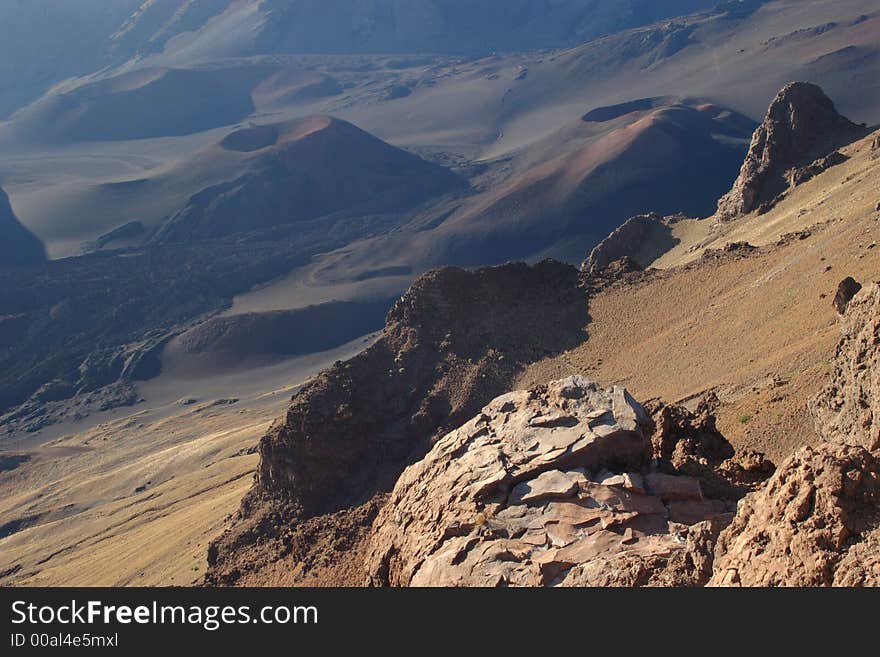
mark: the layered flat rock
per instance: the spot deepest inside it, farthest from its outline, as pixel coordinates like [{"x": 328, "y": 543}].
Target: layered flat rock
[{"x": 557, "y": 485}]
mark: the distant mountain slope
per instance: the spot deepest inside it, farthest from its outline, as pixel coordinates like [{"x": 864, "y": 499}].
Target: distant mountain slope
[
  {"x": 678, "y": 157},
  {"x": 18, "y": 246},
  {"x": 566, "y": 192},
  {"x": 45, "y": 41},
  {"x": 304, "y": 170},
  {"x": 143, "y": 104},
  {"x": 452, "y": 26}
]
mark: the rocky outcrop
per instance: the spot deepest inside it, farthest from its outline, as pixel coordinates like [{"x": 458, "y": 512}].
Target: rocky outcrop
[
  {"x": 812, "y": 525},
  {"x": 18, "y": 246},
  {"x": 690, "y": 443},
  {"x": 800, "y": 175},
  {"x": 795, "y": 141},
  {"x": 453, "y": 342},
  {"x": 848, "y": 408},
  {"x": 557, "y": 485},
  {"x": 642, "y": 239},
  {"x": 817, "y": 521}
]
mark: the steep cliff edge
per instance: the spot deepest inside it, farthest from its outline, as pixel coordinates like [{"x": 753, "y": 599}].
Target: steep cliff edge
[
  {"x": 848, "y": 409},
  {"x": 454, "y": 341}
]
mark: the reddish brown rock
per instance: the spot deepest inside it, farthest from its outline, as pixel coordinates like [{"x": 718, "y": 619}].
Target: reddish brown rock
[
  {"x": 544, "y": 487},
  {"x": 672, "y": 487},
  {"x": 801, "y": 127},
  {"x": 809, "y": 526},
  {"x": 847, "y": 410},
  {"x": 690, "y": 444}
]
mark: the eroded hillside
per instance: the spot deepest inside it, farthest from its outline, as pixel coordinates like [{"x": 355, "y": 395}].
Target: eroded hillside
[
  {"x": 754, "y": 325},
  {"x": 744, "y": 331}
]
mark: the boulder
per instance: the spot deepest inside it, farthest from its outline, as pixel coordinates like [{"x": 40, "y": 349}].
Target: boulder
[
  {"x": 846, "y": 290},
  {"x": 556, "y": 485}
]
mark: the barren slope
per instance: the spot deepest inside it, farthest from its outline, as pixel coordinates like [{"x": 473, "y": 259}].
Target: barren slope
[
  {"x": 133, "y": 496},
  {"x": 758, "y": 328}
]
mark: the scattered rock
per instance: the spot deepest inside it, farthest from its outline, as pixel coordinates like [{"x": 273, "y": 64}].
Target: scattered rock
[
  {"x": 794, "y": 236},
  {"x": 624, "y": 270},
  {"x": 729, "y": 251}
]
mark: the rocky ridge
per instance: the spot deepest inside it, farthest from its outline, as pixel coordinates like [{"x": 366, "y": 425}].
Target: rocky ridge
[
  {"x": 797, "y": 140},
  {"x": 350, "y": 432}
]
